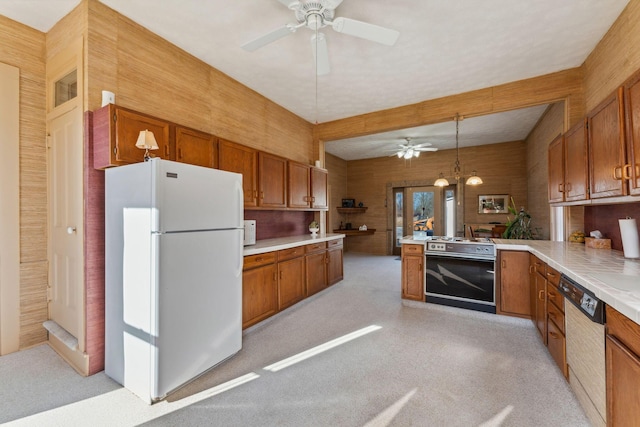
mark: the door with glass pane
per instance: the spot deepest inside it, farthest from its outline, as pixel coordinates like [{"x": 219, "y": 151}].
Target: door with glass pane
[{"x": 423, "y": 211}]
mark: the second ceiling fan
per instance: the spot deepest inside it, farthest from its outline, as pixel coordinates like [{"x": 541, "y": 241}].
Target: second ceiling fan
[{"x": 319, "y": 14}]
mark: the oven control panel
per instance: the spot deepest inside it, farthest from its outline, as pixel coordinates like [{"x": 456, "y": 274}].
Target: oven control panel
[{"x": 437, "y": 246}]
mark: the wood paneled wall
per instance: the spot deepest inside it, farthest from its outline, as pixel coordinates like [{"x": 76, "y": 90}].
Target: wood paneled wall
[
  {"x": 615, "y": 58},
  {"x": 24, "y": 48},
  {"x": 500, "y": 166},
  {"x": 337, "y": 188},
  {"x": 550, "y": 125},
  {"x": 151, "y": 75}
]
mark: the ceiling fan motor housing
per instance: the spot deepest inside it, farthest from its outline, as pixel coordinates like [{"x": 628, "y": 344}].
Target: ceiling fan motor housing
[{"x": 314, "y": 14}]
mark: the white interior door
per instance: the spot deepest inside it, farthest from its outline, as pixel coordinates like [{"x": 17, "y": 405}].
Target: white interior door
[{"x": 66, "y": 305}]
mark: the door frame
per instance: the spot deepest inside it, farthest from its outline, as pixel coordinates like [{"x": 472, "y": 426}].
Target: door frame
[{"x": 58, "y": 66}]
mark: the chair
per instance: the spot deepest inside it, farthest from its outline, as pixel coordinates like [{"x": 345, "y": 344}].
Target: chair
[{"x": 498, "y": 230}]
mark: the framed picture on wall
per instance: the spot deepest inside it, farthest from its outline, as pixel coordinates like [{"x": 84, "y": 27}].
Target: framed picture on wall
[{"x": 493, "y": 203}]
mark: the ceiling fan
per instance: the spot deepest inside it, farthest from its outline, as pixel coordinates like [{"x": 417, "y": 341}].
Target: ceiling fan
[
  {"x": 409, "y": 149},
  {"x": 319, "y": 14}
]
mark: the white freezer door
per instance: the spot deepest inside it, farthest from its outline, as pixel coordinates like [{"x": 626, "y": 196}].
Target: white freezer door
[
  {"x": 198, "y": 319},
  {"x": 197, "y": 198}
]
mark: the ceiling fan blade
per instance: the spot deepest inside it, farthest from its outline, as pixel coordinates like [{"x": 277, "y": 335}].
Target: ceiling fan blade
[
  {"x": 291, "y": 4},
  {"x": 269, "y": 38},
  {"x": 425, "y": 149},
  {"x": 321, "y": 54},
  {"x": 366, "y": 31}
]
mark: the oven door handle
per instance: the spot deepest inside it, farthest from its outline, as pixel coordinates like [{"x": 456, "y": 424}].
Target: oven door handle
[{"x": 462, "y": 257}]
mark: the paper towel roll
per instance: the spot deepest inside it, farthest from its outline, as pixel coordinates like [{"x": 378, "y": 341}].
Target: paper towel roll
[{"x": 629, "y": 233}]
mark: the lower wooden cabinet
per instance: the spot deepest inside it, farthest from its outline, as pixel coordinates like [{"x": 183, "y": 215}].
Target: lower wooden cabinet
[
  {"x": 413, "y": 272},
  {"x": 335, "y": 272},
  {"x": 259, "y": 288},
  {"x": 512, "y": 284},
  {"x": 622, "y": 355},
  {"x": 273, "y": 281},
  {"x": 291, "y": 286},
  {"x": 556, "y": 338},
  {"x": 316, "y": 272}
]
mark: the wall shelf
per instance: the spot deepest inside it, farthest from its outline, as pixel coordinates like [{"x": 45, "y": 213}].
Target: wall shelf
[
  {"x": 351, "y": 210},
  {"x": 355, "y": 232}
]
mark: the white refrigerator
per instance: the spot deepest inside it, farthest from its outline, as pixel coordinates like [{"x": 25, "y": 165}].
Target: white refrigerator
[{"x": 173, "y": 269}]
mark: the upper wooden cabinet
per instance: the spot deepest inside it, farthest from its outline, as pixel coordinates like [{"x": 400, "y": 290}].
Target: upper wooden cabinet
[
  {"x": 196, "y": 148},
  {"x": 299, "y": 180},
  {"x": 237, "y": 158},
  {"x": 607, "y": 148},
  {"x": 576, "y": 165},
  {"x": 632, "y": 115},
  {"x": 319, "y": 183},
  {"x": 556, "y": 170},
  {"x": 307, "y": 186},
  {"x": 115, "y": 132},
  {"x": 272, "y": 181}
]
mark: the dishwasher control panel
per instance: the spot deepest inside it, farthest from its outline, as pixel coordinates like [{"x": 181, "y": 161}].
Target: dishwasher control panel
[{"x": 582, "y": 298}]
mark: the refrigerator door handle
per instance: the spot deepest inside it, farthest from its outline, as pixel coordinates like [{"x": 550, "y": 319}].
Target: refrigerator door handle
[{"x": 240, "y": 201}]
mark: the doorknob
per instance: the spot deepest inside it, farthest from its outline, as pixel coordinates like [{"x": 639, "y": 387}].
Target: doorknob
[{"x": 71, "y": 230}]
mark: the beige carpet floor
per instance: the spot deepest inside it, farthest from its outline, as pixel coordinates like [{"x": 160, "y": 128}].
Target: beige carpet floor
[{"x": 412, "y": 364}]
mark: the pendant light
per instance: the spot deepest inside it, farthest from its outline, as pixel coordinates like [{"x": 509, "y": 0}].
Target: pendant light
[{"x": 474, "y": 179}]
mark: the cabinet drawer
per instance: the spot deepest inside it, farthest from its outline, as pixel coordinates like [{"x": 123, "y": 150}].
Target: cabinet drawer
[
  {"x": 537, "y": 266},
  {"x": 290, "y": 253},
  {"x": 334, "y": 243},
  {"x": 253, "y": 261},
  {"x": 412, "y": 249},
  {"x": 553, "y": 276},
  {"x": 556, "y": 316},
  {"x": 315, "y": 247},
  {"x": 557, "y": 347},
  {"x": 555, "y": 296}
]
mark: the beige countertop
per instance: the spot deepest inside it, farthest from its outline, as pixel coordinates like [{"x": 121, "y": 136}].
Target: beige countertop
[
  {"x": 269, "y": 245},
  {"x": 606, "y": 272}
]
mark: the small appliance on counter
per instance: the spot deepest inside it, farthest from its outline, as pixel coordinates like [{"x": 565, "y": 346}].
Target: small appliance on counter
[{"x": 249, "y": 232}]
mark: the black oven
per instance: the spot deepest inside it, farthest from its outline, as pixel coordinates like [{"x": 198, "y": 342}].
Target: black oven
[{"x": 461, "y": 280}]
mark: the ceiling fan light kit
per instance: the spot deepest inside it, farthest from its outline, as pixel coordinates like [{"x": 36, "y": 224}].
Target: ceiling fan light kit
[
  {"x": 474, "y": 179},
  {"x": 316, "y": 15}
]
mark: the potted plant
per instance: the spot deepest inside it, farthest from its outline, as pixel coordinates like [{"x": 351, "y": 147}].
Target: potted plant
[
  {"x": 314, "y": 227},
  {"x": 520, "y": 226}
]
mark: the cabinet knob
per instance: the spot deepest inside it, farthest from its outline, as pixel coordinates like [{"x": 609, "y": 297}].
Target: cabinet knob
[
  {"x": 617, "y": 173},
  {"x": 626, "y": 172},
  {"x": 541, "y": 295}
]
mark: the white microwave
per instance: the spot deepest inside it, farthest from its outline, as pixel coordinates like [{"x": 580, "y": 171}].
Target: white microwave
[{"x": 249, "y": 232}]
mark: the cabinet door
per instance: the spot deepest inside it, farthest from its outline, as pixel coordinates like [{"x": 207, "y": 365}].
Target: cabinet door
[
  {"x": 334, "y": 265},
  {"x": 196, "y": 148},
  {"x": 299, "y": 180},
  {"x": 128, "y": 125},
  {"x": 116, "y": 131},
  {"x": 413, "y": 277},
  {"x": 291, "y": 280},
  {"x": 259, "y": 294},
  {"x": 514, "y": 284},
  {"x": 534, "y": 265},
  {"x": 623, "y": 377},
  {"x": 316, "y": 269},
  {"x": 576, "y": 169},
  {"x": 237, "y": 158},
  {"x": 272, "y": 181},
  {"x": 632, "y": 116},
  {"x": 319, "y": 180},
  {"x": 556, "y": 171},
  {"x": 607, "y": 148}
]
